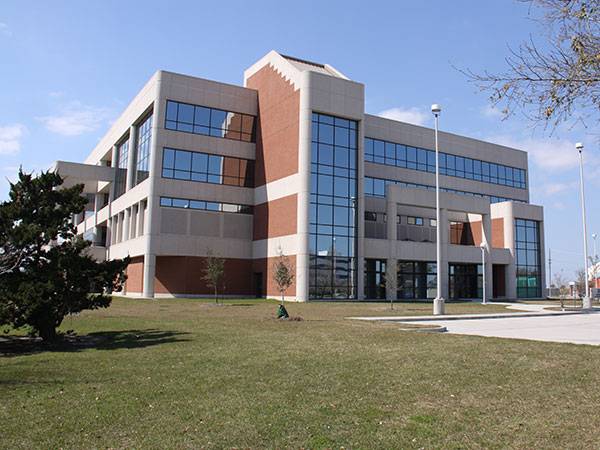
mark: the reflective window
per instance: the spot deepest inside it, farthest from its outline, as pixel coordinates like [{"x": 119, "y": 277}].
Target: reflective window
[
  {"x": 207, "y": 168},
  {"x": 210, "y": 121},
  {"x": 144, "y": 131},
  {"x": 121, "y": 172},
  {"x": 206, "y": 206},
  {"x": 332, "y": 207},
  {"x": 375, "y": 187},
  {"x": 527, "y": 248},
  {"x": 389, "y": 153}
]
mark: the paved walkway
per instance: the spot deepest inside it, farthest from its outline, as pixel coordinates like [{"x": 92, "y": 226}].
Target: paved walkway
[{"x": 535, "y": 324}]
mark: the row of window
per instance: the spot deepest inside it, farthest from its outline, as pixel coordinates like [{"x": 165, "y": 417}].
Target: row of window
[
  {"x": 375, "y": 187},
  {"x": 210, "y": 121},
  {"x": 207, "y": 168},
  {"x": 410, "y": 220},
  {"x": 527, "y": 258},
  {"x": 205, "y": 206},
  {"x": 399, "y": 155}
]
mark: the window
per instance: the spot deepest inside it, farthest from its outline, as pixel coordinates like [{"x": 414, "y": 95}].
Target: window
[
  {"x": 432, "y": 223},
  {"x": 210, "y": 121},
  {"x": 399, "y": 155},
  {"x": 205, "y": 206},
  {"x": 527, "y": 248},
  {"x": 375, "y": 187},
  {"x": 121, "y": 172},
  {"x": 207, "y": 168},
  {"x": 370, "y": 216},
  {"x": 143, "y": 149},
  {"x": 414, "y": 220},
  {"x": 332, "y": 271}
]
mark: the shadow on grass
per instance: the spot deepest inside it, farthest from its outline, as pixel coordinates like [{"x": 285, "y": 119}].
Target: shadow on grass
[
  {"x": 112, "y": 340},
  {"x": 105, "y": 340}
]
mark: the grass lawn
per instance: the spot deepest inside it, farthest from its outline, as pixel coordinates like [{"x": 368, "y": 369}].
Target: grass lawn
[{"x": 187, "y": 374}]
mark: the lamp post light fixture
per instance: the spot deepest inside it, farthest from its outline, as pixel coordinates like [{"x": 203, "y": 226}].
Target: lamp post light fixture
[
  {"x": 438, "y": 301},
  {"x": 587, "y": 299},
  {"x": 482, "y": 246}
]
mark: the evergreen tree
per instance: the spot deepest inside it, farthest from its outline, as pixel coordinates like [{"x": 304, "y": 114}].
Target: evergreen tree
[{"x": 50, "y": 274}]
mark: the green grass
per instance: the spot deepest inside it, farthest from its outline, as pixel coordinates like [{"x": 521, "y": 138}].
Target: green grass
[{"x": 186, "y": 374}]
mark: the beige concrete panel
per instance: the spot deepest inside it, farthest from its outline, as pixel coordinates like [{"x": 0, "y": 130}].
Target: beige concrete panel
[
  {"x": 173, "y": 221},
  {"x": 501, "y": 256},
  {"x": 376, "y": 248},
  {"x": 206, "y": 144},
  {"x": 237, "y": 226},
  {"x": 268, "y": 248},
  {"x": 464, "y": 254},
  {"x": 205, "y": 223}
]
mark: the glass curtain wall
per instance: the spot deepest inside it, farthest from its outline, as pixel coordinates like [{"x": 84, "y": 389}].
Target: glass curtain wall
[
  {"x": 121, "y": 173},
  {"x": 527, "y": 247},
  {"x": 332, "y": 208},
  {"x": 143, "y": 149}
]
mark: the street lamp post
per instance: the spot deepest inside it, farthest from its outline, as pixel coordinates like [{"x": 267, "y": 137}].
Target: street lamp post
[
  {"x": 482, "y": 245},
  {"x": 438, "y": 301},
  {"x": 587, "y": 300},
  {"x": 594, "y": 236}
]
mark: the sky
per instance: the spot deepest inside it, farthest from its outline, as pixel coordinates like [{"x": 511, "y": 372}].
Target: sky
[{"x": 69, "y": 68}]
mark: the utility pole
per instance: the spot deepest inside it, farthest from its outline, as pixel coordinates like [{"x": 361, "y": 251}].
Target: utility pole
[{"x": 550, "y": 266}]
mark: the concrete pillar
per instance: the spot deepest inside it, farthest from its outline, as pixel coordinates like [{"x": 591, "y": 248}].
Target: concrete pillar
[
  {"x": 126, "y": 219},
  {"x": 486, "y": 237},
  {"x": 509, "y": 242},
  {"x": 114, "y": 159},
  {"x": 149, "y": 273},
  {"x": 443, "y": 270},
  {"x": 303, "y": 221},
  {"x": 132, "y": 158}
]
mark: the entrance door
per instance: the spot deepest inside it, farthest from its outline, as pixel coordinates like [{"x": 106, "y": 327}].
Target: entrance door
[{"x": 258, "y": 280}]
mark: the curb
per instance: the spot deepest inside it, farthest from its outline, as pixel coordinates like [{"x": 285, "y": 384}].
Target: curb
[{"x": 472, "y": 316}]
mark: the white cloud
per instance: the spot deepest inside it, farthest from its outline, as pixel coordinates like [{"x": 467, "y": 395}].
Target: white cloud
[
  {"x": 4, "y": 29},
  {"x": 76, "y": 119},
  {"x": 10, "y": 136},
  {"x": 416, "y": 116},
  {"x": 56, "y": 94},
  {"x": 548, "y": 154},
  {"x": 557, "y": 188},
  {"x": 490, "y": 111}
]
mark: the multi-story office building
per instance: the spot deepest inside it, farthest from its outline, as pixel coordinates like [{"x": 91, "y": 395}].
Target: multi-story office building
[{"x": 290, "y": 162}]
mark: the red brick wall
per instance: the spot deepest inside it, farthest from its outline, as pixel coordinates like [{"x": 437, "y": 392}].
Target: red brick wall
[
  {"x": 498, "y": 233},
  {"x": 276, "y": 218},
  {"x": 184, "y": 275},
  {"x": 135, "y": 275},
  {"x": 277, "y": 130},
  {"x": 269, "y": 288}
]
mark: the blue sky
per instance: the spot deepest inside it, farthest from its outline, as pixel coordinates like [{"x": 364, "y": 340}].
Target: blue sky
[{"x": 69, "y": 68}]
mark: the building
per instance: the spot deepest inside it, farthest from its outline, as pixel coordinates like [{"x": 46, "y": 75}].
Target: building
[{"x": 290, "y": 162}]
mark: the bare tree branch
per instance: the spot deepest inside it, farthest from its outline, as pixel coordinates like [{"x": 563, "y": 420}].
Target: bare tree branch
[{"x": 560, "y": 83}]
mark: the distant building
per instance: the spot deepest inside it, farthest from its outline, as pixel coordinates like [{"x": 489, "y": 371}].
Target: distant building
[{"x": 291, "y": 161}]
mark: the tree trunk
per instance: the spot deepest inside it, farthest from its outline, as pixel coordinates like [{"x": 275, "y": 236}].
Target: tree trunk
[
  {"x": 216, "y": 296},
  {"x": 47, "y": 332}
]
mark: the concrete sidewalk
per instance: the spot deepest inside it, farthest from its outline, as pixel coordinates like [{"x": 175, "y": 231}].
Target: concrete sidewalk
[{"x": 538, "y": 324}]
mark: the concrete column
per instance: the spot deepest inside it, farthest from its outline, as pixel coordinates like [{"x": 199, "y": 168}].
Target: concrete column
[
  {"x": 149, "y": 273},
  {"x": 391, "y": 227},
  {"x": 303, "y": 221},
  {"x": 131, "y": 159},
  {"x": 114, "y": 159},
  {"x": 443, "y": 270},
  {"x": 486, "y": 237},
  {"x": 126, "y": 219},
  {"x": 509, "y": 243},
  {"x": 360, "y": 214}
]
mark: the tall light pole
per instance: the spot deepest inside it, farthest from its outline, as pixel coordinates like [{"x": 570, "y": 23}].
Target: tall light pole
[
  {"x": 438, "y": 302},
  {"x": 594, "y": 236},
  {"x": 587, "y": 300},
  {"x": 482, "y": 245}
]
